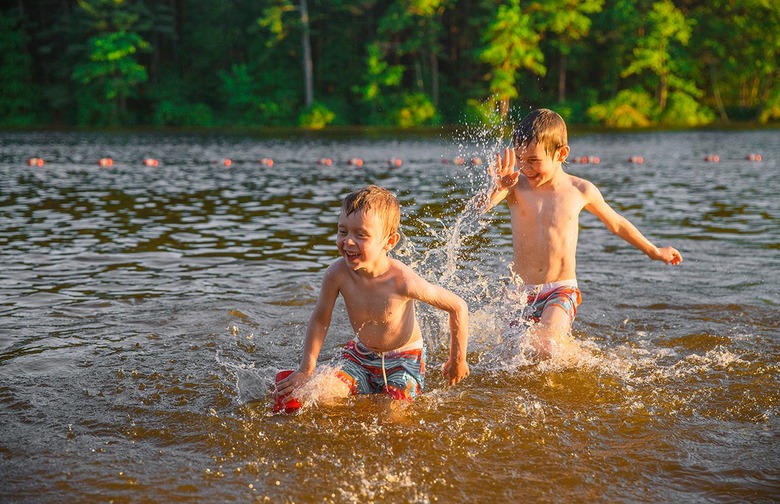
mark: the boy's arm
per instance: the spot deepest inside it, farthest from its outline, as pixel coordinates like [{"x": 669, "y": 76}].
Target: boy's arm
[
  {"x": 316, "y": 330},
  {"x": 623, "y": 228},
  {"x": 456, "y": 368},
  {"x": 504, "y": 177}
]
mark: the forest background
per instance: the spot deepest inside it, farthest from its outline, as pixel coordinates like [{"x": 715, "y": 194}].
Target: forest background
[{"x": 395, "y": 63}]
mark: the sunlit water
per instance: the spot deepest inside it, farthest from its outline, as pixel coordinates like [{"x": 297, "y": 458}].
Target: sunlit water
[{"x": 145, "y": 311}]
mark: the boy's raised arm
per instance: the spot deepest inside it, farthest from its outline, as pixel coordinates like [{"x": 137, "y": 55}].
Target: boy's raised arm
[{"x": 623, "y": 228}]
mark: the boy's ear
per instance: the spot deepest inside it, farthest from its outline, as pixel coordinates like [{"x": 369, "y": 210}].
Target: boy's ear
[
  {"x": 563, "y": 153},
  {"x": 392, "y": 240}
]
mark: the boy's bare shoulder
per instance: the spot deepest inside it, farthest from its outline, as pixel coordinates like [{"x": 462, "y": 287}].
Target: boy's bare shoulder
[
  {"x": 582, "y": 185},
  {"x": 404, "y": 276},
  {"x": 401, "y": 270},
  {"x": 336, "y": 270}
]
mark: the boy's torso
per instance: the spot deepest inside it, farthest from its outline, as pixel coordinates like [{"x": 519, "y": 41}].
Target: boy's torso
[
  {"x": 545, "y": 228},
  {"x": 381, "y": 315}
]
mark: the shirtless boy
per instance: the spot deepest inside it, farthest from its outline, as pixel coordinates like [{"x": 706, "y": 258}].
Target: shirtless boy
[
  {"x": 387, "y": 354},
  {"x": 545, "y": 204}
]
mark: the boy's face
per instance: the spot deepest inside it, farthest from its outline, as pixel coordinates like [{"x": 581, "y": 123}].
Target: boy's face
[
  {"x": 362, "y": 239},
  {"x": 538, "y": 166}
]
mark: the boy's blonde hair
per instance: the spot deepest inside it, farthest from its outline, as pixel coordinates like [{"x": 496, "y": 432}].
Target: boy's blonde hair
[
  {"x": 544, "y": 127},
  {"x": 378, "y": 200}
]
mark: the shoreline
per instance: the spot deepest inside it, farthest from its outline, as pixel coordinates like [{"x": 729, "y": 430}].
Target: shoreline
[{"x": 368, "y": 131}]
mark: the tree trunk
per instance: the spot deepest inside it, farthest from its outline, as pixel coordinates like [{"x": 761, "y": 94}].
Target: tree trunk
[
  {"x": 434, "y": 78},
  {"x": 503, "y": 107},
  {"x": 562, "y": 77},
  {"x": 716, "y": 93},
  {"x": 307, "y": 63},
  {"x": 663, "y": 92}
]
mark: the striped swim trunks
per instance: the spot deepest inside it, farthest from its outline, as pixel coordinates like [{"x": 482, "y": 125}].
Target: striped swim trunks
[
  {"x": 564, "y": 294},
  {"x": 398, "y": 373}
]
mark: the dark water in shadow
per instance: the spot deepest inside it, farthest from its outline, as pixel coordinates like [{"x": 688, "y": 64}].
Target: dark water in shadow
[{"x": 144, "y": 312}]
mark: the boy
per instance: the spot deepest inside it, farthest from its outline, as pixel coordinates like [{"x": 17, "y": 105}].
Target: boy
[
  {"x": 545, "y": 204},
  {"x": 387, "y": 354}
]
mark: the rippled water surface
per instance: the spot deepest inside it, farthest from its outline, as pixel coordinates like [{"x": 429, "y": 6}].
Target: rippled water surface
[{"x": 145, "y": 311}]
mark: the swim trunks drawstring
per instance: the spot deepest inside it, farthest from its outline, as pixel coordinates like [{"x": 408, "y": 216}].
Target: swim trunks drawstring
[
  {"x": 384, "y": 373},
  {"x": 538, "y": 291}
]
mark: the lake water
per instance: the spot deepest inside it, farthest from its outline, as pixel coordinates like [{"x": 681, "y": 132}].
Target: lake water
[{"x": 145, "y": 311}]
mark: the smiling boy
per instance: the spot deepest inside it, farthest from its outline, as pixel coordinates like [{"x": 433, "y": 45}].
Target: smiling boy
[
  {"x": 545, "y": 204},
  {"x": 387, "y": 354}
]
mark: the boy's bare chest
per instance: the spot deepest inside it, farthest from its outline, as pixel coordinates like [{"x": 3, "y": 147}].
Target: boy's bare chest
[
  {"x": 549, "y": 208},
  {"x": 378, "y": 304}
]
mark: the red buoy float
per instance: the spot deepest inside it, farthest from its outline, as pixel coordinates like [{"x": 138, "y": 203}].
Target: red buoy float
[
  {"x": 227, "y": 162},
  {"x": 326, "y": 161},
  {"x": 151, "y": 162},
  {"x": 395, "y": 162},
  {"x": 105, "y": 162},
  {"x": 712, "y": 158},
  {"x": 753, "y": 157},
  {"x": 267, "y": 162},
  {"x": 594, "y": 160},
  {"x": 636, "y": 159},
  {"x": 355, "y": 161},
  {"x": 36, "y": 161}
]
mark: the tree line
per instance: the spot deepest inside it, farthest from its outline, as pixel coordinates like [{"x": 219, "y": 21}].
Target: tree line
[{"x": 399, "y": 63}]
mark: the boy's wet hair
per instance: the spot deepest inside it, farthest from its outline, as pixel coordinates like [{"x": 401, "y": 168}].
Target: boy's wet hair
[
  {"x": 375, "y": 199},
  {"x": 544, "y": 127}
]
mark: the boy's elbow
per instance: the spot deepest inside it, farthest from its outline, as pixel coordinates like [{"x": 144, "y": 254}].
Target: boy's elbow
[{"x": 461, "y": 310}]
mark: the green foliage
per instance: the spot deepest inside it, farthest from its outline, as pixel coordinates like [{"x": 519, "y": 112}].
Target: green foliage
[
  {"x": 570, "y": 18},
  {"x": 273, "y": 20},
  {"x": 109, "y": 70},
  {"x": 630, "y": 108},
  {"x": 510, "y": 44},
  {"x": 112, "y": 64},
  {"x": 771, "y": 109},
  {"x": 181, "y": 113},
  {"x": 684, "y": 110},
  {"x": 574, "y": 111},
  {"x": 416, "y": 110},
  {"x": 666, "y": 26},
  {"x": 483, "y": 112},
  {"x": 17, "y": 98},
  {"x": 316, "y": 117},
  {"x": 240, "y": 93},
  {"x": 388, "y": 62},
  {"x": 380, "y": 75},
  {"x": 379, "y": 80}
]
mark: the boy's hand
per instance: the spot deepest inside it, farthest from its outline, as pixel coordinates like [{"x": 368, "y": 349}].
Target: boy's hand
[
  {"x": 669, "y": 255},
  {"x": 455, "y": 370},
  {"x": 504, "y": 171},
  {"x": 290, "y": 384}
]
